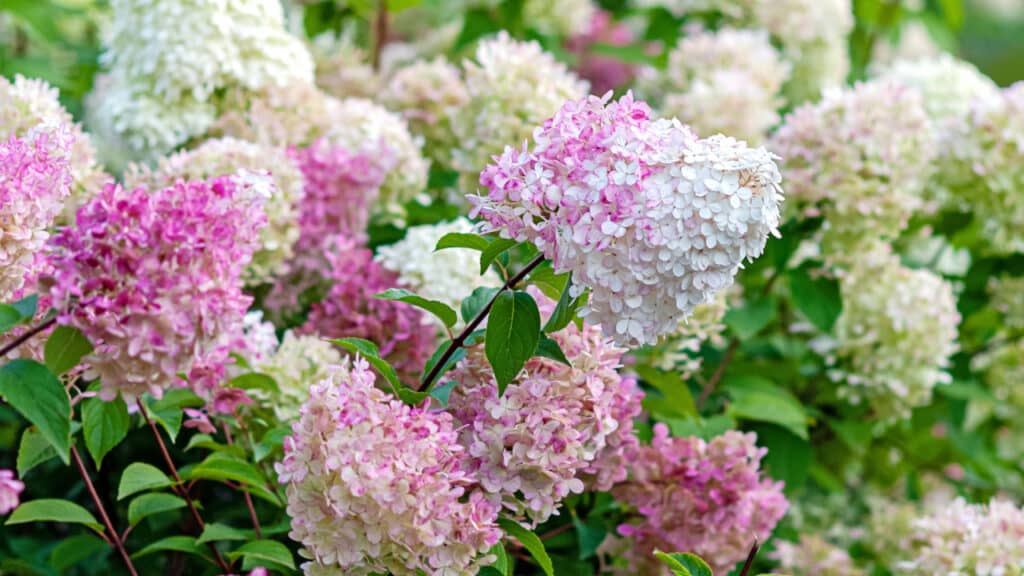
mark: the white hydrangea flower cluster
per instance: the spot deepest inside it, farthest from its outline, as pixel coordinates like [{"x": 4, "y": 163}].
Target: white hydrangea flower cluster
[
  {"x": 1007, "y": 296},
  {"x": 914, "y": 43},
  {"x": 513, "y": 86},
  {"x": 812, "y": 555},
  {"x": 678, "y": 351},
  {"x": 862, "y": 157},
  {"x": 558, "y": 17},
  {"x": 895, "y": 335},
  {"x": 948, "y": 85},
  {"x": 292, "y": 115},
  {"x": 1003, "y": 371},
  {"x": 448, "y": 276},
  {"x": 734, "y": 8},
  {"x": 728, "y": 81},
  {"x": 224, "y": 157},
  {"x": 25, "y": 104},
  {"x": 295, "y": 365},
  {"x": 343, "y": 69},
  {"x": 167, "y": 58},
  {"x": 982, "y": 167},
  {"x": 428, "y": 94}
]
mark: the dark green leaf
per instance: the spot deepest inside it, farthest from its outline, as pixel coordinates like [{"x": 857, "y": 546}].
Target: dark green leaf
[
  {"x": 150, "y": 504},
  {"x": 369, "y": 351},
  {"x": 65, "y": 348},
  {"x": 758, "y": 399},
  {"x": 476, "y": 24},
  {"x": 140, "y": 477},
  {"x": 53, "y": 510},
  {"x": 550, "y": 284},
  {"x": 33, "y": 450},
  {"x": 104, "y": 425},
  {"x": 441, "y": 392},
  {"x": 265, "y": 551},
  {"x": 216, "y": 532},
  {"x": 475, "y": 302},
  {"x": 748, "y": 320},
  {"x": 817, "y": 297},
  {"x": 167, "y": 410},
  {"x": 186, "y": 544},
  {"x": 494, "y": 249},
  {"x": 75, "y": 549},
  {"x": 439, "y": 309},
  {"x": 27, "y": 306},
  {"x": 548, "y": 347},
  {"x": 462, "y": 240},
  {"x": 530, "y": 541},
  {"x": 254, "y": 381},
  {"x": 503, "y": 565},
  {"x": 588, "y": 537},
  {"x": 9, "y": 317},
  {"x": 678, "y": 400},
  {"x": 564, "y": 311},
  {"x": 513, "y": 330},
  {"x": 684, "y": 564},
  {"x": 222, "y": 467},
  {"x": 39, "y": 396},
  {"x": 789, "y": 458}
]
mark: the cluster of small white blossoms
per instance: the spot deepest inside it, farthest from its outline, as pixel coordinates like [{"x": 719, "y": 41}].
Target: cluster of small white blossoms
[
  {"x": 948, "y": 85},
  {"x": 428, "y": 94},
  {"x": 895, "y": 335},
  {"x": 914, "y": 43},
  {"x": 558, "y": 17},
  {"x": 1007, "y": 296},
  {"x": 343, "y": 69},
  {"x": 377, "y": 486},
  {"x": 812, "y": 555},
  {"x": 167, "y": 58},
  {"x": 297, "y": 362},
  {"x": 652, "y": 219},
  {"x": 513, "y": 86},
  {"x": 448, "y": 275},
  {"x": 1002, "y": 368},
  {"x": 962, "y": 538},
  {"x": 679, "y": 351},
  {"x": 862, "y": 157},
  {"x": 713, "y": 75},
  {"x": 226, "y": 156},
  {"x": 27, "y": 104},
  {"x": 982, "y": 167}
]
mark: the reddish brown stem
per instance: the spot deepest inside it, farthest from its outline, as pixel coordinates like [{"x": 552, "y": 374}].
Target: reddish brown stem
[
  {"x": 556, "y": 531},
  {"x": 114, "y": 540},
  {"x": 248, "y": 497},
  {"x": 380, "y": 35},
  {"x": 27, "y": 336},
  {"x": 750, "y": 558}
]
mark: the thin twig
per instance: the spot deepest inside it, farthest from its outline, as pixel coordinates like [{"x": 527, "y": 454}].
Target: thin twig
[
  {"x": 477, "y": 320},
  {"x": 179, "y": 486},
  {"x": 114, "y": 540},
  {"x": 380, "y": 36},
  {"x": 556, "y": 531},
  {"x": 709, "y": 386},
  {"x": 27, "y": 336},
  {"x": 248, "y": 497},
  {"x": 750, "y": 558}
]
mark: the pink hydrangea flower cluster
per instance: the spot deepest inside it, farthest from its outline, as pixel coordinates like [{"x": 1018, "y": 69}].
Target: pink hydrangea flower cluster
[
  {"x": 153, "y": 279},
  {"x": 35, "y": 178},
  {"x": 10, "y": 489},
  {"x": 652, "y": 219},
  {"x": 405, "y": 336},
  {"x": 708, "y": 498},
  {"x": 377, "y": 486},
  {"x": 556, "y": 429},
  {"x": 604, "y": 72}
]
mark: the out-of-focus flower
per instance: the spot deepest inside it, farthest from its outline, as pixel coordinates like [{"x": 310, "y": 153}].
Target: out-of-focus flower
[
  {"x": 862, "y": 157},
  {"x": 914, "y": 43},
  {"x": 376, "y": 486},
  {"x": 678, "y": 352},
  {"x": 709, "y": 498},
  {"x": 343, "y": 69},
  {"x": 32, "y": 104},
  {"x": 153, "y": 279},
  {"x": 224, "y": 157},
  {"x": 734, "y": 8},
  {"x": 350, "y": 309},
  {"x": 10, "y": 488},
  {"x": 297, "y": 363},
  {"x": 603, "y": 72},
  {"x": 728, "y": 81},
  {"x": 1003, "y": 371},
  {"x": 895, "y": 335},
  {"x": 982, "y": 167},
  {"x": 448, "y": 276},
  {"x": 558, "y": 17},
  {"x": 813, "y": 556},
  {"x": 555, "y": 429},
  {"x": 291, "y": 115},
  {"x": 428, "y": 94},
  {"x": 652, "y": 219},
  {"x": 1007, "y": 296},
  {"x": 948, "y": 85},
  {"x": 513, "y": 86}
]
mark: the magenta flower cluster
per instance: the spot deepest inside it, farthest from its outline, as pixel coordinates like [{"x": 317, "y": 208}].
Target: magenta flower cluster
[
  {"x": 153, "y": 279},
  {"x": 377, "y": 486},
  {"x": 708, "y": 498}
]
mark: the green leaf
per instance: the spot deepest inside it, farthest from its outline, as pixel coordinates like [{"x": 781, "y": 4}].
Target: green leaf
[
  {"x": 548, "y": 347},
  {"x": 65, "y": 348},
  {"x": 684, "y": 564},
  {"x": 104, "y": 425},
  {"x": 442, "y": 392},
  {"x": 27, "y": 306},
  {"x": 265, "y": 551},
  {"x": 513, "y": 331},
  {"x": 788, "y": 459},
  {"x": 186, "y": 544},
  {"x": 207, "y": 442},
  {"x": 39, "y": 396},
  {"x": 75, "y": 549},
  {"x": 564, "y": 311},
  {"x": 254, "y": 381},
  {"x": 140, "y": 477},
  {"x": 462, "y": 240},
  {"x": 216, "y": 532},
  {"x": 9, "y": 317},
  {"x": 369, "y": 351},
  {"x": 755, "y": 398},
  {"x": 817, "y": 297},
  {"x": 33, "y": 450},
  {"x": 53, "y": 510},
  {"x": 635, "y": 53},
  {"x": 475, "y": 302},
  {"x": 953, "y": 12},
  {"x": 588, "y": 537},
  {"x": 439, "y": 309},
  {"x": 222, "y": 467},
  {"x": 679, "y": 401},
  {"x": 494, "y": 249},
  {"x": 150, "y": 504},
  {"x": 551, "y": 284},
  {"x": 476, "y": 24},
  {"x": 748, "y": 320},
  {"x": 503, "y": 565},
  {"x": 436, "y": 357},
  {"x": 530, "y": 541},
  {"x": 167, "y": 410}
]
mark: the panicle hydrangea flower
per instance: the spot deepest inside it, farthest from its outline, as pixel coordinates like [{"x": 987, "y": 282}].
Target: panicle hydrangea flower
[
  {"x": 448, "y": 275},
  {"x": 403, "y": 334},
  {"x": 1007, "y": 296},
  {"x": 948, "y": 85},
  {"x": 376, "y": 486},
  {"x": 733, "y": 8},
  {"x": 556, "y": 429},
  {"x": 298, "y": 362},
  {"x": 982, "y": 167},
  {"x": 603, "y": 72},
  {"x": 862, "y": 156},
  {"x": 709, "y": 498},
  {"x": 226, "y": 156},
  {"x": 167, "y": 58},
  {"x": 727, "y": 81},
  {"x": 343, "y": 69},
  {"x": 1002, "y": 368},
  {"x": 895, "y": 335},
  {"x": 153, "y": 280},
  {"x": 290, "y": 115},
  {"x": 10, "y": 489},
  {"x": 428, "y": 94},
  {"x": 962, "y": 538},
  {"x": 24, "y": 105},
  {"x": 558, "y": 17},
  {"x": 812, "y": 555},
  {"x": 35, "y": 179},
  {"x": 678, "y": 351},
  {"x": 914, "y": 43},
  {"x": 652, "y": 219},
  {"x": 513, "y": 86}
]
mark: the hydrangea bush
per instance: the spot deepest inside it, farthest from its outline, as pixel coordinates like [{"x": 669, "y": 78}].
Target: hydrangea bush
[{"x": 496, "y": 288}]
